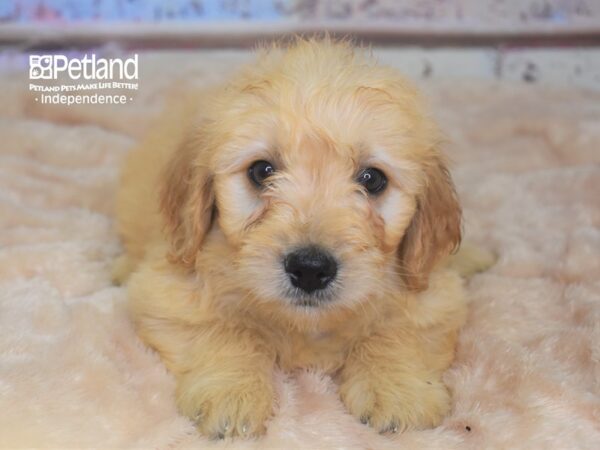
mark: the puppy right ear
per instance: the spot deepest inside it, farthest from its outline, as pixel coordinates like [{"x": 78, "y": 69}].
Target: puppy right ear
[
  {"x": 187, "y": 203},
  {"x": 435, "y": 230}
]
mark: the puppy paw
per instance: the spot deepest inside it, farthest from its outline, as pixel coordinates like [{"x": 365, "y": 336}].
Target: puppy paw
[
  {"x": 471, "y": 259},
  {"x": 392, "y": 406},
  {"x": 122, "y": 268},
  {"x": 227, "y": 408}
]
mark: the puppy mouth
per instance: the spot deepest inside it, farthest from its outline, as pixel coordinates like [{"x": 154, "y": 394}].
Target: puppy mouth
[{"x": 315, "y": 299}]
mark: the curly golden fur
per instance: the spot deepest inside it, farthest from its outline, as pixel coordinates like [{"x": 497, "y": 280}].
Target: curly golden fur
[{"x": 204, "y": 246}]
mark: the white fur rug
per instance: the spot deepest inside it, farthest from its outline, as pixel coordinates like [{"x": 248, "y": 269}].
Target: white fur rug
[{"x": 527, "y": 376}]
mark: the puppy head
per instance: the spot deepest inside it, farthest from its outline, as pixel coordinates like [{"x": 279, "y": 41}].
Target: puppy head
[{"x": 322, "y": 171}]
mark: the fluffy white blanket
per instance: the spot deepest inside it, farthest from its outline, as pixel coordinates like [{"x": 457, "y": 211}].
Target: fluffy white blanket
[{"x": 527, "y": 375}]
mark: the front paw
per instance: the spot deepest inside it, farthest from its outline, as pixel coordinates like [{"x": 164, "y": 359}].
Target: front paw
[
  {"x": 226, "y": 406},
  {"x": 396, "y": 403}
]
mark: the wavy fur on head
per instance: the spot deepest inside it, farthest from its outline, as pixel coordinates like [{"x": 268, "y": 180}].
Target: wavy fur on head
[{"x": 209, "y": 291}]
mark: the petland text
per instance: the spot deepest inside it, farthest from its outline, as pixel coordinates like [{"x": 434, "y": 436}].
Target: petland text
[{"x": 88, "y": 67}]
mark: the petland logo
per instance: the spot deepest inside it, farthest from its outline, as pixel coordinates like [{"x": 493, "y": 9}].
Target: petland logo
[
  {"x": 48, "y": 67},
  {"x": 88, "y": 73}
]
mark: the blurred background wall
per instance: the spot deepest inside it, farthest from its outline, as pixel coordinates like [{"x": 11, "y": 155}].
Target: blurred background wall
[
  {"x": 526, "y": 40},
  {"x": 469, "y": 14}
]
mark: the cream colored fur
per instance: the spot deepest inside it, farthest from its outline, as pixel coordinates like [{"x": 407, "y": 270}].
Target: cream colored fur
[
  {"x": 526, "y": 375},
  {"x": 205, "y": 293}
]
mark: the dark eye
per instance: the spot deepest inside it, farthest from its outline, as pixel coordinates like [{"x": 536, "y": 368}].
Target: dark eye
[
  {"x": 259, "y": 171},
  {"x": 372, "y": 179}
]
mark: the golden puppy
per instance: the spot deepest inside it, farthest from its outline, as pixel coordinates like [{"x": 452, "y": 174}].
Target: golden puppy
[{"x": 296, "y": 219}]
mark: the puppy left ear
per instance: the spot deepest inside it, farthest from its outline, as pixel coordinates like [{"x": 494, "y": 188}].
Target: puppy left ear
[
  {"x": 187, "y": 203},
  {"x": 435, "y": 230}
]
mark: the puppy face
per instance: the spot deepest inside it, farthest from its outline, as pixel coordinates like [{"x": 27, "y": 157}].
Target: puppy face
[{"x": 322, "y": 172}]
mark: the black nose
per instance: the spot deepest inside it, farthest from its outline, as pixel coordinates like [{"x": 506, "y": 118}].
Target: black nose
[{"x": 310, "y": 268}]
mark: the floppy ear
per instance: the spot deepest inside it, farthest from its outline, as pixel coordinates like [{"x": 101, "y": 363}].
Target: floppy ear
[
  {"x": 187, "y": 203},
  {"x": 435, "y": 230}
]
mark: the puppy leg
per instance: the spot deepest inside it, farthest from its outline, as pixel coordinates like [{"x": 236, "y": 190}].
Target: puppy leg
[
  {"x": 228, "y": 388},
  {"x": 224, "y": 371},
  {"x": 393, "y": 381}
]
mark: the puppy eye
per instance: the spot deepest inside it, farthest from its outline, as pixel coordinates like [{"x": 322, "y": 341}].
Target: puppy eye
[
  {"x": 373, "y": 180},
  {"x": 259, "y": 171}
]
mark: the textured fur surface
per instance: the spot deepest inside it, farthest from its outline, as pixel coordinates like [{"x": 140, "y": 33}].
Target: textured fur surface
[
  {"x": 526, "y": 375},
  {"x": 206, "y": 247}
]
